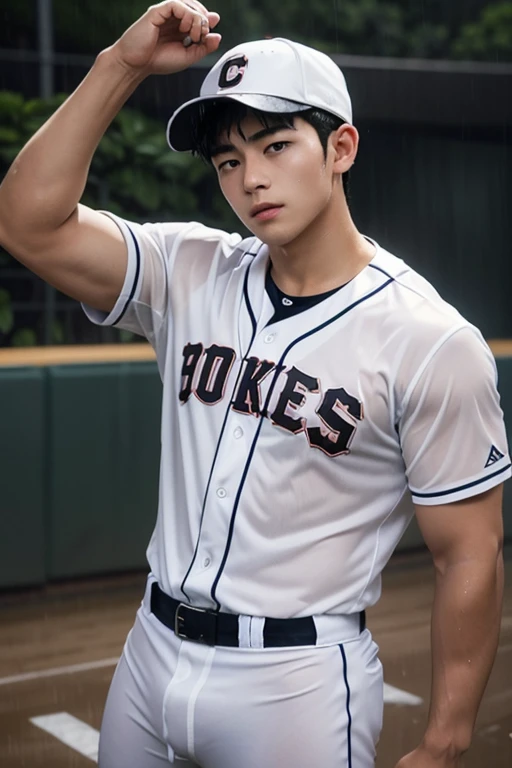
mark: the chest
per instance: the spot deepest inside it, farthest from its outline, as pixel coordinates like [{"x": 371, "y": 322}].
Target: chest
[{"x": 318, "y": 374}]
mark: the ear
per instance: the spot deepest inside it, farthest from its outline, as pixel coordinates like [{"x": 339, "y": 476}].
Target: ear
[{"x": 344, "y": 143}]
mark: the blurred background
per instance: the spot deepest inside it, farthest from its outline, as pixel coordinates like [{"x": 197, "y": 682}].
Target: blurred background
[{"x": 431, "y": 85}]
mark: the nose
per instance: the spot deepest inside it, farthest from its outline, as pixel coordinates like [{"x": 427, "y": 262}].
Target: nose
[{"x": 254, "y": 176}]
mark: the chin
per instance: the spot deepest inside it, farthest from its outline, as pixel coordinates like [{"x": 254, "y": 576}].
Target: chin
[{"x": 277, "y": 236}]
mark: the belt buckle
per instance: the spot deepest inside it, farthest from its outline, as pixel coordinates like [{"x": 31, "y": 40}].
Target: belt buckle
[{"x": 179, "y": 621}]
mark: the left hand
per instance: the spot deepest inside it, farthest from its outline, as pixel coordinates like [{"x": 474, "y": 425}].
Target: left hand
[{"x": 420, "y": 758}]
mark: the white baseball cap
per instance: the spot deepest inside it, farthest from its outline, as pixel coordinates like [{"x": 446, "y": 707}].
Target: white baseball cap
[{"x": 275, "y": 75}]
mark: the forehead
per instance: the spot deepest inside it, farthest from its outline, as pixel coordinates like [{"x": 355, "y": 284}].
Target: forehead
[{"x": 249, "y": 125}]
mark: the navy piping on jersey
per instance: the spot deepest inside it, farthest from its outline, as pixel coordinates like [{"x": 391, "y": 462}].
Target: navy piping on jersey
[
  {"x": 349, "y": 716},
  {"x": 248, "y": 305},
  {"x": 278, "y": 370},
  {"x": 253, "y": 321},
  {"x": 461, "y": 487},
  {"x": 379, "y": 269},
  {"x": 135, "y": 280}
]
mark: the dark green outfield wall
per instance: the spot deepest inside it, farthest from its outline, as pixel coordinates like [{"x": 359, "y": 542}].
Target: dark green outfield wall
[
  {"x": 22, "y": 475},
  {"x": 102, "y": 464},
  {"x": 79, "y": 456},
  {"x": 80, "y": 450}
]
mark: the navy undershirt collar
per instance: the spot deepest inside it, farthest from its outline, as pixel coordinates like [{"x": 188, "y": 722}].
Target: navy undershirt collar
[{"x": 287, "y": 306}]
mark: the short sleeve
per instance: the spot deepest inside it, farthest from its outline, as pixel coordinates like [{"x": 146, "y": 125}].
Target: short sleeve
[
  {"x": 452, "y": 431},
  {"x": 144, "y": 302}
]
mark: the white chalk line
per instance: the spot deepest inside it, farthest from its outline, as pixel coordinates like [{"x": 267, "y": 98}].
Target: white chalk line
[
  {"x": 394, "y": 695},
  {"x": 56, "y": 671},
  {"x": 72, "y": 732}
]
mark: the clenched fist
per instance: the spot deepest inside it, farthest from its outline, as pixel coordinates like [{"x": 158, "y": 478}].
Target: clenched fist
[
  {"x": 421, "y": 758},
  {"x": 169, "y": 37}
]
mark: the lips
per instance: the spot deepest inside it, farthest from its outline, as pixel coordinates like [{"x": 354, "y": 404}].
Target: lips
[{"x": 262, "y": 207}]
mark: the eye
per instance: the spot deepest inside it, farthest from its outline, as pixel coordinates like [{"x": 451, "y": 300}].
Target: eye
[
  {"x": 227, "y": 164},
  {"x": 277, "y": 146}
]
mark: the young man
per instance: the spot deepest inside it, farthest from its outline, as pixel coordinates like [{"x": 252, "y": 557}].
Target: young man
[{"x": 310, "y": 379}]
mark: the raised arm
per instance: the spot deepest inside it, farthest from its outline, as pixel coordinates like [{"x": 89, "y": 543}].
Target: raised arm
[
  {"x": 78, "y": 250},
  {"x": 465, "y": 539}
]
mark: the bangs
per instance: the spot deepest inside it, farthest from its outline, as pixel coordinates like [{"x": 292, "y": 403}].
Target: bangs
[{"x": 216, "y": 117}]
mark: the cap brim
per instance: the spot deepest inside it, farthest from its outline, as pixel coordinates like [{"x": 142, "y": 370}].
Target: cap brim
[{"x": 179, "y": 134}]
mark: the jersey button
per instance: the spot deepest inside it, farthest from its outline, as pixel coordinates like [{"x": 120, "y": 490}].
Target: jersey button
[
  {"x": 206, "y": 562},
  {"x": 269, "y": 338},
  {"x": 238, "y": 433},
  {"x": 221, "y": 493}
]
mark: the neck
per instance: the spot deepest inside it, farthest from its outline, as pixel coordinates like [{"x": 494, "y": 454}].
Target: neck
[{"x": 328, "y": 253}]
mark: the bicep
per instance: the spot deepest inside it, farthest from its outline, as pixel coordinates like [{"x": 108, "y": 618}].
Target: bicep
[
  {"x": 463, "y": 529},
  {"x": 85, "y": 258}
]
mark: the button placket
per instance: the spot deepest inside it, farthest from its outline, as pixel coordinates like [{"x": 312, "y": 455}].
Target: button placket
[{"x": 229, "y": 467}]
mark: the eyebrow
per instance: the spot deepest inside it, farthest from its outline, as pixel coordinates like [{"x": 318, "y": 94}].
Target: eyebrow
[{"x": 219, "y": 149}]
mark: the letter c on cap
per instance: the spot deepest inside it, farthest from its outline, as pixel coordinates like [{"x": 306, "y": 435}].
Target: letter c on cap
[{"x": 232, "y": 71}]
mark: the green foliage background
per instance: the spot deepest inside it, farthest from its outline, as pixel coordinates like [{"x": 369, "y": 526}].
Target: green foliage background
[{"x": 473, "y": 29}]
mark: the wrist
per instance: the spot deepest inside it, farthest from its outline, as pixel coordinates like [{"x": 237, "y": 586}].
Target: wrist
[
  {"x": 110, "y": 61},
  {"x": 445, "y": 744}
]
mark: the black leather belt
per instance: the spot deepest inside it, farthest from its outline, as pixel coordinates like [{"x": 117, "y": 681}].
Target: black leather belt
[{"x": 214, "y": 628}]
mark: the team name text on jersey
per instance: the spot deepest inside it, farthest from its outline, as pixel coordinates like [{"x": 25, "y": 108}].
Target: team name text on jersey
[{"x": 205, "y": 372}]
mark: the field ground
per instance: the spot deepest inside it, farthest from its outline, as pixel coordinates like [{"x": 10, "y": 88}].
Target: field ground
[{"x": 58, "y": 647}]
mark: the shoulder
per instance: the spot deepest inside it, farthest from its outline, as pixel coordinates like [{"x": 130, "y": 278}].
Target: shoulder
[
  {"x": 416, "y": 307},
  {"x": 193, "y": 236},
  {"x": 420, "y": 332},
  {"x": 170, "y": 237}
]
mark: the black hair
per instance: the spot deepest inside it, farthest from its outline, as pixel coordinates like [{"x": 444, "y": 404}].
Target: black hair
[{"x": 216, "y": 116}]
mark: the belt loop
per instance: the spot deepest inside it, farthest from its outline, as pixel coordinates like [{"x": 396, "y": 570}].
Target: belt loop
[
  {"x": 244, "y": 634},
  {"x": 256, "y": 626},
  {"x": 333, "y": 628}
]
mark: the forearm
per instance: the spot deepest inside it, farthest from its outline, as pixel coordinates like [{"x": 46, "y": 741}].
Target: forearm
[
  {"x": 465, "y": 631},
  {"x": 47, "y": 179}
]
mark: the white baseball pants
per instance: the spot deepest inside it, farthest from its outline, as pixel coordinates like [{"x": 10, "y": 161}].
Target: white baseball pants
[{"x": 177, "y": 702}]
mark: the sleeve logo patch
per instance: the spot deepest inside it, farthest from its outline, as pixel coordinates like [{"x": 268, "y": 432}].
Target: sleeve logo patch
[{"x": 494, "y": 456}]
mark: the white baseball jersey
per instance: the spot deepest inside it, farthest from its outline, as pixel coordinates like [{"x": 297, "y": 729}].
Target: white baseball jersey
[{"x": 287, "y": 447}]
